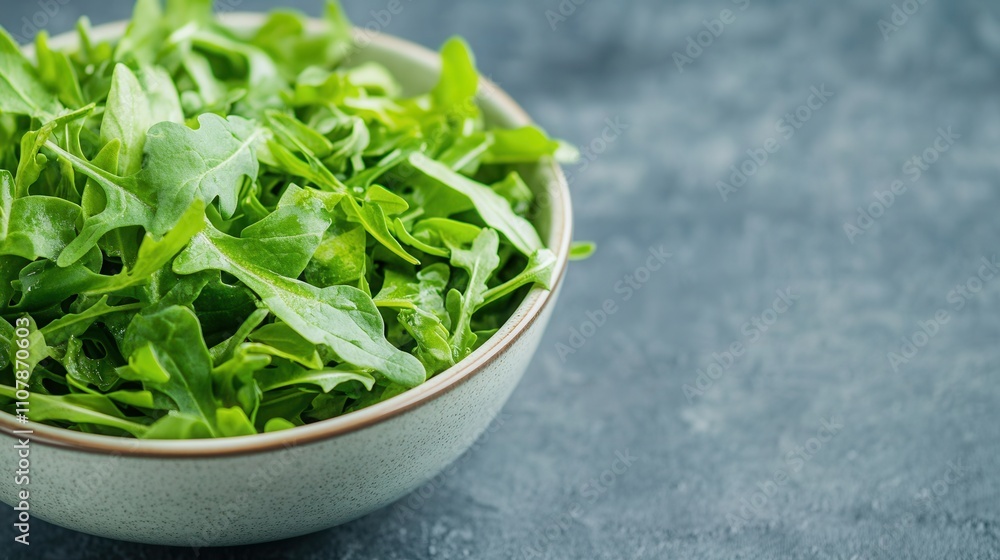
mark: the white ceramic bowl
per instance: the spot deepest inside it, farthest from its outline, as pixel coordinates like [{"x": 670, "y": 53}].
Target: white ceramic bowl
[{"x": 272, "y": 486}]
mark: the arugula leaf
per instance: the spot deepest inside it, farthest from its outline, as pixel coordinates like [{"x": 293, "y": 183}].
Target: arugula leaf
[
  {"x": 184, "y": 12},
  {"x": 280, "y": 341},
  {"x": 520, "y": 145},
  {"x": 513, "y": 188},
  {"x": 442, "y": 232},
  {"x": 581, "y": 250},
  {"x": 155, "y": 254},
  {"x": 32, "y": 162},
  {"x": 285, "y": 37},
  {"x": 539, "y": 271},
  {"x": 466, "y": 152},
  {"x": 375, "y": 220},
  {"x": 145, "y": 34},
  {"x": 136, "y": 103},
  {"x": 277, "y": 424},
  {"x": 372, "y": 215},
  {"x": 408, "y": 238},
  {"x": 327, "y": 379},
  {"x": 21, "y": 90},
  {"x": 75, "y": 324},
  {"x": 225, "y": 350},
  {"x": 479, "y": 262},
  {"x": 79, "y": 409},
  {"x": 340, "y": 258},
  {"x": 91, "y": 53},
  {"x": 234, "y": 422},
  {"x": 182, "y": 165},
  {"x": 422, "y": 312},
  {"x": 34, "y": 227},
  {"x": 341, "y": 317},
  {"x": 138, "y": 399},
  {"x": 6, "y": 342},
  {"x": 57, "y": 72},
  {"x": 207, "y": 164},
  {"x": 434, "y": 348},
  {"x": 459, "y": 81},
  {"x": 167, "y": 354},
  {"x": 234, "y": 383},
  {"x": 493, "y": 208},
  {"x": 43, "y": 284},
  {"x": 178, "y": 426},
  {"x": 290, "y": 235}
]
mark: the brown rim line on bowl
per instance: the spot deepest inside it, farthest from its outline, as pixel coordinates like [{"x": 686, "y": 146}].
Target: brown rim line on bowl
[{"x": 501, "y": 106}]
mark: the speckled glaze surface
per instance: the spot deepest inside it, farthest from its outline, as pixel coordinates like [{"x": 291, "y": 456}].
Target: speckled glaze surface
[{"x": 274, "y": 486}]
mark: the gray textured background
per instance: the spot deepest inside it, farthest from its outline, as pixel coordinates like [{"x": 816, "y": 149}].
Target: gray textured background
[{"x": 913, "y": 472}]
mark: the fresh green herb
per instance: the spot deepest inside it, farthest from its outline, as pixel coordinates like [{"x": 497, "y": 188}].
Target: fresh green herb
[
  {"x": 581, "y": 250},
  {"x": 223, "y": 232}
]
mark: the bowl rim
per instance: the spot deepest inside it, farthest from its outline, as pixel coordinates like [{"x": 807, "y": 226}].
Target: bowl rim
[{"x": 530, "y": 309}]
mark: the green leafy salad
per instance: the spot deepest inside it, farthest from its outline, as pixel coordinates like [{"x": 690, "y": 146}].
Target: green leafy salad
[{"x": 208, "y": 232}]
